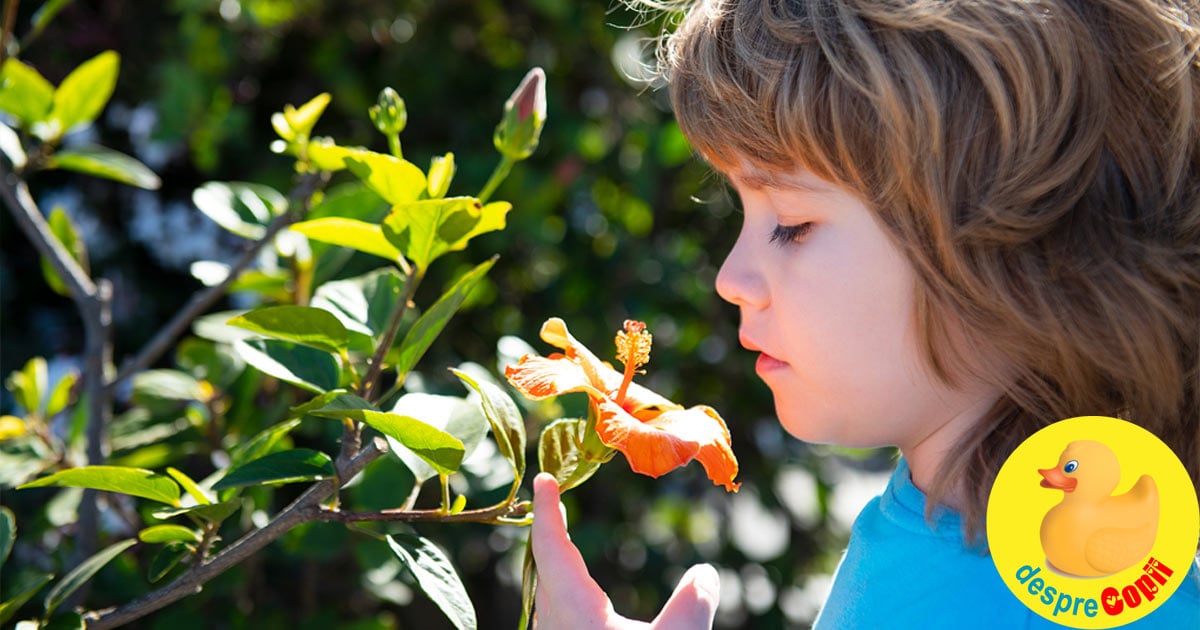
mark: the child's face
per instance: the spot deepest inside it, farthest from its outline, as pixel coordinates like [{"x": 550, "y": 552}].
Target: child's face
[{"x": 827, "y": 298}]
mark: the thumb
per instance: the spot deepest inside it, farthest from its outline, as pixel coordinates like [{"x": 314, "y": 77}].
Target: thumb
[{"x": 694, "y": 602}]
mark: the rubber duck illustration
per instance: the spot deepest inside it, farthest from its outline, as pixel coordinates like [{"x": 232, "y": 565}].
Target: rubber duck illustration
[{"x": 1091, "y": 532}]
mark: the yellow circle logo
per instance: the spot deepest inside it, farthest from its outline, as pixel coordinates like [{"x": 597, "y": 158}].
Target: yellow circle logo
[{"x": 1093, "y": 522}]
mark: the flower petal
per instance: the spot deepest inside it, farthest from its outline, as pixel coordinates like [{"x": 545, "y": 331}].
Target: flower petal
[
  {"x": 601, "y": 374},
  {"x": 540, "y": 378},
  {"x": 659, "y": 443}
]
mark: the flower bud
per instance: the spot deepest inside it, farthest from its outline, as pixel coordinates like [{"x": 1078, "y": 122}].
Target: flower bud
[
  {"x": 524, "y": 114},
  {"x": 389, "y": 113}
]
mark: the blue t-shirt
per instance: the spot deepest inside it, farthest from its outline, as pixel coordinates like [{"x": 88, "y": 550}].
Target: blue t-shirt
[{"x": 902, "y": 572}]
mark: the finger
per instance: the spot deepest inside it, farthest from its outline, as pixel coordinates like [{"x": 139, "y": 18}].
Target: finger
[
  {"x": 694, "y": 602},
  {"x": 555, "y": 555}
]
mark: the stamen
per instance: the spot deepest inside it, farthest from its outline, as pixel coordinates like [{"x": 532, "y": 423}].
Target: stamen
[{"x": 633, "y": 350}]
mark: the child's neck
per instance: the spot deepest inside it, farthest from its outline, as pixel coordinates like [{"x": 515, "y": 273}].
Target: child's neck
[{"x": 925, "y": 456}]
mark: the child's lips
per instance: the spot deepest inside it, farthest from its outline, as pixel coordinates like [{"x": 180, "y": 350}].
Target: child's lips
[{"x": 766, "y": 362}]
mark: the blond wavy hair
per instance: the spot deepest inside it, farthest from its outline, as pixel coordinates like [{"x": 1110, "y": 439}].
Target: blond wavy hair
[{"x": 1038, "y": 161}]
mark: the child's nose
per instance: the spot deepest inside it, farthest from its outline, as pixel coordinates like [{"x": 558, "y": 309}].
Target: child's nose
[{"x": 738, "y": 281}]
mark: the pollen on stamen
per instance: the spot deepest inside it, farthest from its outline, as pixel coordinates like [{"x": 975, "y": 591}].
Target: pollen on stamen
[{"x": 633, "y": 344}]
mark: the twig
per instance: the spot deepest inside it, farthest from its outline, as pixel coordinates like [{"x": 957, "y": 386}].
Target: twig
[
  {"x": 10, "y": 18},
  {"x": 302, "y": 195},
  {"x": 303, "y": 509},
  {"x": 367, "y": 386},
  {"x": 506, "y": 513}
]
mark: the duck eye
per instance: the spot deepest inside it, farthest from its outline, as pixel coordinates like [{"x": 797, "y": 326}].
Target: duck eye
[{"x": 1071, "y": 466}]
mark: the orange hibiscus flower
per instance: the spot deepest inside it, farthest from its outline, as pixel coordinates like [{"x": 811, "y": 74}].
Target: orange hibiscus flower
[{"x": 655, "y": 434}]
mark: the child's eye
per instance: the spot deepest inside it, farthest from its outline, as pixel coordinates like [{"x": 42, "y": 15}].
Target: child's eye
[{"x": 790, "y": 233}]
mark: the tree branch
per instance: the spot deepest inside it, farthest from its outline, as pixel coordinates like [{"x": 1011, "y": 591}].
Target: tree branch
[
  {"x": 29, "y": 218},
  {"x": 93, "y": 300},
  {"x": 300, "y": 511},
  {"x": 301, "y": 195},
  {"x": 506, "y": 513}
]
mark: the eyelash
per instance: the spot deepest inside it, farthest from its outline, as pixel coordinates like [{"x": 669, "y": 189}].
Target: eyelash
[{"x": 784, "y": 234}]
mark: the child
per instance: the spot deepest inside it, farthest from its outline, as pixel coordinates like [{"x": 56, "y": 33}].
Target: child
[{"x": 963, "y": 221}]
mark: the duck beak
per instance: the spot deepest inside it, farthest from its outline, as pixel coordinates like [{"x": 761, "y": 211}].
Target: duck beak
[{"x": 1055, "y": 478}]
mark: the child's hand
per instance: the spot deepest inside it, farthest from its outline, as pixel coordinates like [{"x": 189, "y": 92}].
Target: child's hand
[{"x": 568, "y": 597}]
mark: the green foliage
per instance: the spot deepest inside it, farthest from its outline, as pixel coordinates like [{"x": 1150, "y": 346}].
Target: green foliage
[
  {"x": 168, "y": 534},
  {"x": 106, "y": 163},
  {"x": 303, "y": 366},
  {"x": 8, "y": 533},
  {"x": 81, "y": 96},
  {"x": 292, "y": 466},
  {"x": 426, "y": 329},
  {"x": 508, "y": 427},
  {"x": 21, "y": 594},
  {"x": 25, "y": 93},
  {"x": 436, "y": 576},
  {"x": 425, "y": 230},
  {"x": 312, "y": 327},
  {"x": 71, "y": 582},
  {"x": 242, "y": 208},
  {"x": 67, "y": 234},
  {"x": 561, "y": 453},
  {"x": 132, "y": 481},
  {"x": 352, "y": 233}
]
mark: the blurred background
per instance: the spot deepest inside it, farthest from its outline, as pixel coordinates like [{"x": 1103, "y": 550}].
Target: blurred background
[{"x": 612, "y": 218}]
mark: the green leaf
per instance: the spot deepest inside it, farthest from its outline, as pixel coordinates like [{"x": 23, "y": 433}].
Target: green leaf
[
  {"x": 262, "y": 443},
  {"x": 61, "y": 394},
  {"x": 132, "y": 481},
  {"x": 308, "y": 368},
  {"x": 25, "y": 93},
  {"x": 213, "y": 327},
  {"x": 46, "y": 13},
  {"x": 397, "y": 181},
  {"x": 207, "y": 361},
  {"x": 560, "y": 453},
  {"x": 168, "y": 534},
  {"x": 439, "y": 449},
  {"x": 8, "y": 532},
  {"x": 10, "y": 145},
  {"x": 326, "y": 155},
  {"x": 214, "y": 513},
  {"x": 357, "y": 235},
  {"x": 66, "y": 233},
  {"x": 292, "y": 466},
  {"x": 106, "y": 163},
  {"x": 441, "y": 173},
  {"x": 242, "y": 208},
  {"x": 191, "y": 487},
  {"x": 424, "y": 230},
  {"x": 28, "y": 383},
  {"x": 307, "y": 325},
  {"x": 82, "y": 573},
  {"x": 166, "y": 559},
  {"x": 451, "y": 414},
  {"x": 436, "y": 577},
  {"x": 24, "y": 593},
  {"x": 508, "y": 428},
  {"x": 152, "y": 386},
  {"x": 303, "y": 119},
  {"x": 362, "y": 304},
  {"x": 528, "y": 587},
  {"x": 81, "y": 96},
  {"x": 425, "y": 331}
]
